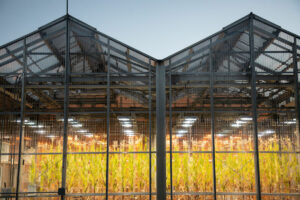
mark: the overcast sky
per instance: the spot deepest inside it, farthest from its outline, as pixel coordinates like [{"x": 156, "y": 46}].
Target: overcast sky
[{"x": 156, "y": 27}]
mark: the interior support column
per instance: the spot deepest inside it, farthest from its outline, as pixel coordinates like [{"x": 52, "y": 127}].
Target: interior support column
[
  {"x": 212, "y": 114},
  {"x": 21, "y": 133},
  {"x": 161, "y": 132},
  {"x": 62, "y": 190},
  {"x": 254, "y": 109}
]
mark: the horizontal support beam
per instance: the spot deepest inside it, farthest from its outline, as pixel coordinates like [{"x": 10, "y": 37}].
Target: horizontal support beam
[{"x": 204, "y": 76}]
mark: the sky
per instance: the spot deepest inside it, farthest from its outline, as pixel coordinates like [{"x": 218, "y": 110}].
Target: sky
[{"x": 156, "y": 27}]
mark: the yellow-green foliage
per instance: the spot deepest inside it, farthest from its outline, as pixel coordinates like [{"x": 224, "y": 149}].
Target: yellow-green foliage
[
  {"x": 192, "y": 172},
  {"x": 45, "y": 171}
]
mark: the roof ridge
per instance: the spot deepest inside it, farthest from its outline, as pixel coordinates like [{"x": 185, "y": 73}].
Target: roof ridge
[{"x": 74, "y": 19}]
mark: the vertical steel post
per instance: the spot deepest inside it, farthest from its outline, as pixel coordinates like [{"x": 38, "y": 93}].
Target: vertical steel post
[
  {"x": 62, "y": 190},
  {"x": 150, "y": 129},
  {"x": 21, "y": 134},
  {"x": 170, "y": 130},
  {"x": 296, "y": 88},
  {"x": 161, "y": 132},
  {"x": 254, "y": 108},
  {"x": 212, "y": 115},
  {"x": 107, "y": 119}
]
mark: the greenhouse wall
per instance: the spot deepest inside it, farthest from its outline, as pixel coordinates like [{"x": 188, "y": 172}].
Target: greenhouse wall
[{"x": 85, "y": 116}]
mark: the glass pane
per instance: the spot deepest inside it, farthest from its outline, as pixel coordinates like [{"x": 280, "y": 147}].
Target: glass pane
[
  {"x": 235, "y": 172},
  {"x": 8, "y": 172},
  {"x": 86, "y": 173},
  {"x": 128, "y": 172},
  {"x": 192, "y": 172},
  {"x": 41, "y": 173}
]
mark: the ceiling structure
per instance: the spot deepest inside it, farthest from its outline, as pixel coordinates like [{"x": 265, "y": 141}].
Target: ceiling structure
[{"x": 130, "y": 68}]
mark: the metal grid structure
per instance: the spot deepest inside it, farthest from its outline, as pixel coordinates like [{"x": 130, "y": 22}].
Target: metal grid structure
[{"x": 85, "y": 116}]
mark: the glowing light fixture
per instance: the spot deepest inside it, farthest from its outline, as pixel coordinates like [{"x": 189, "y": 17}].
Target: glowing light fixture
[
  {"x": 236, "y": 125},
  {"x": 77, "y": 125},
  {"x": 246, "y": 118},
  {"x": 41, "y": 131},
  {"x": 123, "y": 118}
]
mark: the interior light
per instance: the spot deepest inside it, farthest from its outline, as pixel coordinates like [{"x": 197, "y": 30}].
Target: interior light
[
  {"x": 29, "y": 123},
  {"x": 41, "y": 131},
  {"x": 186, "y": 125},
  {"x": 127, "y": 125},
  {"x": 182, "y": 131},
  {"x": 236, "y": 125},
  {"x": 246, "y": 118},
  {"x": 188, "y": 122},
  {"x": 77, "y": 125},
  {"x": 190, "y": 118},
  {"x": 269, "y": 131},
  {"x": 129, "y": 132},
  {"x": 290, "y": 122},
  {"x": 37, "y": 126},
  {"x": 82, "y": 131},
  {"x": 123, "y": 118},
  {"x": 51, "y": 136}
]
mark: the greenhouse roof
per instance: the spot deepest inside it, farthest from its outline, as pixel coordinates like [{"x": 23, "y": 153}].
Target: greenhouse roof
[
  {"x": 91, "y": 51},
  {"x": 46, "y": 47}
]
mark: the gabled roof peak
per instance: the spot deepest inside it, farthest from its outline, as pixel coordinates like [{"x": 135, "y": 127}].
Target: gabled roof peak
[{"x": 85, "y": 25}]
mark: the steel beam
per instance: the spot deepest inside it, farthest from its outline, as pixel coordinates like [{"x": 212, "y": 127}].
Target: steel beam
[
  {"x": 150, "y": 128},
  {"x": 170, "y": 130},
  {"x": 107, "y": 121},
  {"x": 254, "y": 108},
  {"x": 212, "y": 114},
  {"x": 21, "y": 132},
  {"x": 204, "y": 76},
  {"x": 61, "y": 191},
  {"x": 161, "y": 132}
]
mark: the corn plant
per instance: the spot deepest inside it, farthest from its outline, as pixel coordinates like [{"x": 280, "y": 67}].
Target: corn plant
[{"x": 192, "y": 172}]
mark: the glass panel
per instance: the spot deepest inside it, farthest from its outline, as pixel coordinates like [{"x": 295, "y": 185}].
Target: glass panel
[
  {"x": 9, "y": 133},
  {"x": 42, "y": 134},
  {"x": 235, "y": 172},
  {"x": 86, "y": 173},
  {"x": 281, "y": 197},
  {"x": 233, "y": 132},
  {"x": 41, "y": 173},
  {"x": 8, "y": 172},
  {"x": 87, "y": 133},
  {"x": 279, "y": 172},
  {"x": 192, "y": 172},
  {"x": 10, "y": 93},
  {"x": 128, "y": 172}
]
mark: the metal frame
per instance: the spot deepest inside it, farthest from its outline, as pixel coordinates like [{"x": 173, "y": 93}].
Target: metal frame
[
  {"x": 136, "y": 80},
  {"x": 161, "y": 132}
]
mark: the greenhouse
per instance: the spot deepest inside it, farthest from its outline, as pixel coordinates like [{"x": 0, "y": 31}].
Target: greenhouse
[{"x": 85, "y": 116}]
